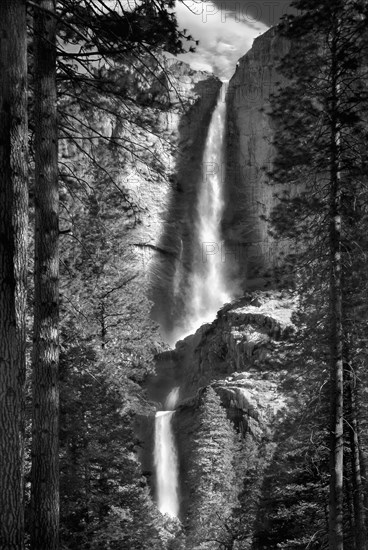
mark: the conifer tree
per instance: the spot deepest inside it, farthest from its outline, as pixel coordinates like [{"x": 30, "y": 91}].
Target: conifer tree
[
  {"x": 211, "y": 475},
  {"x": 105, "y": 502},
  {"x": 45, "y": 359},
  {"x": 319, "y": 125},
  {"x": 13, "y": 265}
]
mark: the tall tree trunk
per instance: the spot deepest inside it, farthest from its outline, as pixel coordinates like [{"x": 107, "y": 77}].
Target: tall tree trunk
[
  {"x": 336, "y": 376},
  {"x": 336, "y": 314},
  {"x": 13, "y": 265},
  {"x": 360, "y": 532},
  {"x": 45, "y": 437},
  {"x": 363, "y": 470}
]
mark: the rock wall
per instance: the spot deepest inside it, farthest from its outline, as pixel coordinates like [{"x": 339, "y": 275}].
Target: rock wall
[
  {"x": 250, "y": 198},
  {"x": 177, "y": 108}
]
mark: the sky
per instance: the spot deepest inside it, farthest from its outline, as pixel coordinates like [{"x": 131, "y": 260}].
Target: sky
[
  {"x": 267, "y": 11},
  {"x": 225, "y": 30}
]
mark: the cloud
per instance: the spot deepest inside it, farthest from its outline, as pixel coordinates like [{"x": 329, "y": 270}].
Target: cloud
[
  {"x": 267, "y": 11},
  {"x": 223, "y": 37}
]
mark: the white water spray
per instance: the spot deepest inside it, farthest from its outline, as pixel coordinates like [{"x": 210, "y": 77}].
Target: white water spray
[{"x": 166, "y": 459}]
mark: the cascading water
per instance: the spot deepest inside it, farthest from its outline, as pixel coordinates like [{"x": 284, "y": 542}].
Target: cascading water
[
  {"x": 208, "y": 291},
  {"x": 166, "y": 459},
  {"x": 208, "y": 287}
]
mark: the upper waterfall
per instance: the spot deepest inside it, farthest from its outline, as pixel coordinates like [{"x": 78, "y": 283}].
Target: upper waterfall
[{"x": 208, "y": 288}]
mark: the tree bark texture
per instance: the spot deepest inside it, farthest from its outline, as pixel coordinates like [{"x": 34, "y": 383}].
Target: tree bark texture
[
  {"x": 45, "y": 359},
  {"x": 13, "y": 265}
]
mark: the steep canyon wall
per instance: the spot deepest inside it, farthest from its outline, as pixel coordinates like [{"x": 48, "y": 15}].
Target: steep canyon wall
[
  {"x": 250, "y": 197},
  {"x": 142, "y": 151}
]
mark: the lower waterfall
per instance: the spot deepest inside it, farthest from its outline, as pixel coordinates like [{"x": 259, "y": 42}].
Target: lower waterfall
[{"x": 166, "y": 459}]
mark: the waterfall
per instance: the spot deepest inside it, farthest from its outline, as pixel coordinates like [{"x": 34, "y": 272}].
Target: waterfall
[
  {"x": 208, "y": 286},
  {"x": 166, "y": 459}
]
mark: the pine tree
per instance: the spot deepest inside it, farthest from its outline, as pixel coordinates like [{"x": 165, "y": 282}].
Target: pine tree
[
  {"x": 45, "y": 359},
  {"x": 105, "y": 502},
  {"x": 13, "y": 266},
  {"x": 317, "y": 143},
  {"x": 211, "y": 475}
]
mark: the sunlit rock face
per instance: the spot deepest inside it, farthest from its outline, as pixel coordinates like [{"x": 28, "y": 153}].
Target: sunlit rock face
[
  {"x": 250, "y": 198},
  {"x": 243, "y": 355},
  {"x": 252, "y": 402},
  {"x": 244, "y": 337}
]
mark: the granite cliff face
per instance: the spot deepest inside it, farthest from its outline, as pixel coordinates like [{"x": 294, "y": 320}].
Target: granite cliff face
[
  {"x": 161, "y": 178},
  {"x": 250, "y": 198},
  {"x": 244, "y": 336}
]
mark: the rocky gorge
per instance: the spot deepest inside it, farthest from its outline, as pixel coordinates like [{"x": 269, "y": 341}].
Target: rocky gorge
[{"x": 241, "y": 355}]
